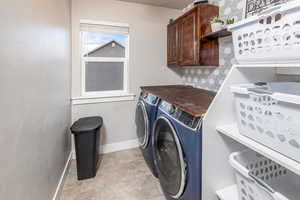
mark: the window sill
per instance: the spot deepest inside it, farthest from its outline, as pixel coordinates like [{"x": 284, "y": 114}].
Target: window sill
[{"x": 102, "y": 99}]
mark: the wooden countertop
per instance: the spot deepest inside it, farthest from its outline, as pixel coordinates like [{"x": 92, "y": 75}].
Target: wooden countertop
[{"x": 190, "y": 100}]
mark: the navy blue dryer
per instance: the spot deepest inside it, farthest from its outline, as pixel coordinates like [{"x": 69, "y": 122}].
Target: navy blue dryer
[
  {"x": 177, "y": 143},
  {"x": 145, "y": 117}
]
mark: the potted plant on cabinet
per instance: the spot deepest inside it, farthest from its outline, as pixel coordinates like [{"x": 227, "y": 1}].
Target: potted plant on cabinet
[
  {"x": 217, "y": 24},
  {"x": 230, "y": 21}
]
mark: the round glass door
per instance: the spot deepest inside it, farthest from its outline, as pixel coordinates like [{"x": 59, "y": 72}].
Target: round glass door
[
  {"x": 142, "y": 127},
  {"x": 169, "y": 158}
]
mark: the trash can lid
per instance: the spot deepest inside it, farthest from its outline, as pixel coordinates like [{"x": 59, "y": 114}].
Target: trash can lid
[{"x": 86, "y": 124}]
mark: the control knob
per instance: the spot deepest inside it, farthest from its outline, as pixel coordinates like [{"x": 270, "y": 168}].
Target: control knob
[
  {"x": 145, "y": 95},
  {"x": 172, "y": 110}
]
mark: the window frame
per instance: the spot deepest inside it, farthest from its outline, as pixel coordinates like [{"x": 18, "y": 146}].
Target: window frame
[{"x": 125, "y": 60}]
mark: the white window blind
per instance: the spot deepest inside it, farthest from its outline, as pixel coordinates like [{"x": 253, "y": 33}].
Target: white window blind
[{"x": 104, "y": 28}]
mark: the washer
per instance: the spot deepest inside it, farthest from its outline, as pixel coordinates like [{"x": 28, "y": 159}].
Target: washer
[
  {"x": 177, "y": 145},
  {"x": 145, "y": 117}
]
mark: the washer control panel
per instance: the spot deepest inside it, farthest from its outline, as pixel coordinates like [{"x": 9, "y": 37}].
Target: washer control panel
[{"x": 183, "y": 117}]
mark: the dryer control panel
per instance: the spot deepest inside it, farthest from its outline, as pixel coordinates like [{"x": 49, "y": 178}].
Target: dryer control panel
[{"x": 181, "y": 116}]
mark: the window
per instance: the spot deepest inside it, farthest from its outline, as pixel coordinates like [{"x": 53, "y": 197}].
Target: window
[{"x": 104, "y": 57}]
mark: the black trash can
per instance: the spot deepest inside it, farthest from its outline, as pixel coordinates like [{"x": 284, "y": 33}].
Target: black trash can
[{"x": 87, "y": 141}]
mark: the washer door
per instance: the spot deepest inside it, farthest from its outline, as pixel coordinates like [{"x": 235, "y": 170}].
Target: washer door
[
  {"x": 169, "y": 158},
  {"x": 142, "y": 124}
]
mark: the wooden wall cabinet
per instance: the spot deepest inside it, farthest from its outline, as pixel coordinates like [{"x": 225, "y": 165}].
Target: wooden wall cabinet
[
  {"x": 173, "y": 44},
  {"x": 187, "y": 45}
]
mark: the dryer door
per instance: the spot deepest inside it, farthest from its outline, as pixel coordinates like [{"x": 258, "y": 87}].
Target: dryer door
[
  {"x": 142, "y": 124},
  {"x": 169, "y": 158}
]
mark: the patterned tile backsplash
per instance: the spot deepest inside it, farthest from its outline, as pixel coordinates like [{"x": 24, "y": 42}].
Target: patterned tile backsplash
[{"x": 211, "y": 78}]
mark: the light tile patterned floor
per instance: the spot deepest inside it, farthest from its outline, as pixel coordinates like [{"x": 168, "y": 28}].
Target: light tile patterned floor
[{"x": 121, "y": 176}]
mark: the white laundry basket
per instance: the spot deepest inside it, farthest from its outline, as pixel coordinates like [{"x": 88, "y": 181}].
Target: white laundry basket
[
  {"x": 259, "y": 178},
  {"x": 271, "y": 37},
  {"x": 269, "y": 113}
]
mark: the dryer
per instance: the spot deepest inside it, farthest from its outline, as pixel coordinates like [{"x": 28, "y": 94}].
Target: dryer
[
  {"x": 177, "y": 147},
  {"x": 145, "y": 117}
]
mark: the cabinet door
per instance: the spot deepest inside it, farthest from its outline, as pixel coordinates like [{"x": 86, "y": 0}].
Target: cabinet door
[
  {"x": 189, "y": 39},
  {"x": 172, "y": 44}
]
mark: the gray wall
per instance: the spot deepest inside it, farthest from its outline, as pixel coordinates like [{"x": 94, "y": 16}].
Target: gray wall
[{"x": 35, "y": 97}]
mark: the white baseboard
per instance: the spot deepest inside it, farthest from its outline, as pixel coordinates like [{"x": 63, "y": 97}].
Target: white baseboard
[
  {"x": 119, "y": 146},
  {"x": 62, "y": 178}
]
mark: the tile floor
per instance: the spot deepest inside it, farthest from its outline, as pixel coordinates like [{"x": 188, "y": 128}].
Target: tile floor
[{"x": 121, "y": 176}]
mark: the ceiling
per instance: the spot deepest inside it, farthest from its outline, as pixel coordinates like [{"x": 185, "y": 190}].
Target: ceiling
[{"x": 177, "y": 4}]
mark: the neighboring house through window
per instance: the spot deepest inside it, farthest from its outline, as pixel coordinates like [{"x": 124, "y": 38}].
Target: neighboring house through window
[{"x": 104, "y": 57}]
